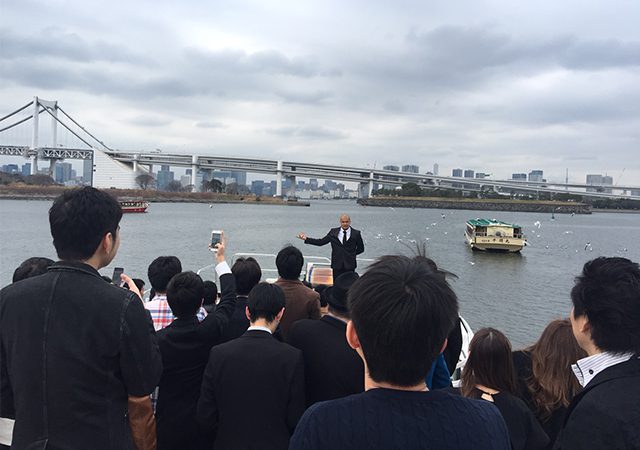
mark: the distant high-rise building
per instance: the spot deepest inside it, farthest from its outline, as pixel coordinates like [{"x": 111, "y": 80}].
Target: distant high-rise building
[
  {"x": 26, "y": 169},
  {"x": 599, "y": 181},
  {"x": 63, "y": 172},
  {"x": 393, "y": 168},
  {"x": 164, "y": 177},
  {"x": 10, "y": 168},
  {"x": 257, "y": 187},
  {"x": 468, "y": 173},
  {"x": 519, "y": 176},
  {"x": 482, "y": 175},
  {"x": 456, "y": 173},
  {"x": 87, "y": 172},
  {"x": 313, "y": 184},
  {"x": 536, "y": 176},
  {"x": 436, "y": 169},
  {"x": 411, "y": 168}
]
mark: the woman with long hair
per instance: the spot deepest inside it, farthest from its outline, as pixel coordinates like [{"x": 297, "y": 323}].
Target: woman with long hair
[
  {"x": 544, "y": 376},
  {"x": 489, "y": 375}
]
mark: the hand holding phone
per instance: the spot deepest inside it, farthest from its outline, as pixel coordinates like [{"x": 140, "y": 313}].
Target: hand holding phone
[
  {"x": 115, "y": 278},
  {"x": 216, "y": 238}
]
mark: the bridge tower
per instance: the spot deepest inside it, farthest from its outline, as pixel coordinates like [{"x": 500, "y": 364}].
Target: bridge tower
[{"x": 53, "y": 107}]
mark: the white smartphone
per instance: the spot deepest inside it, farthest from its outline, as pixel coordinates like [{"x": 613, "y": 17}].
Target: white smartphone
[{"x": 216, "y": 236}]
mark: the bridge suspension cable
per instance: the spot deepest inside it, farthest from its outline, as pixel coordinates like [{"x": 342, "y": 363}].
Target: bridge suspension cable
[
  {"x": 20, "y": 121},
  {"x": 17, "y": 111},
  {"x": 84, "y": 129},
  {"x": 65, "y": 125}
]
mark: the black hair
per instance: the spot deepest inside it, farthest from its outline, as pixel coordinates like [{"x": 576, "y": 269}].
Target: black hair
[
  {"x": 184, "y": 294},
  {"x": 31, "y": 267},
  {"x": 79, "y": 220},
  {"x": 321, "y": 289},
  {"x": 289, "y": 262},
  {"x": 402, "y": 310},
  {"x": 247, "y": 273},
  {"x": 210, "y": 294},
  {"x": 265, "y": 301},
  {"x": 139, "y": 283},
  {"x": 161, "y": 270},
  {"x": 608, "y": 293}
]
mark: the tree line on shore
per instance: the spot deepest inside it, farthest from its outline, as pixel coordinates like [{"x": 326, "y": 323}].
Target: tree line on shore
[{"x": 414, "y": 190}]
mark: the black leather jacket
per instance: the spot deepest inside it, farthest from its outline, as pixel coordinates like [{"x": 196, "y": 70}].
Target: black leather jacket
[{"x": 72, "y": 348}]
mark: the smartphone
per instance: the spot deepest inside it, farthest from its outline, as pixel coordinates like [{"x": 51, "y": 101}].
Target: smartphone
[
  {"x": 216, "y": 236},
  {"x": 115, "y": 278}
]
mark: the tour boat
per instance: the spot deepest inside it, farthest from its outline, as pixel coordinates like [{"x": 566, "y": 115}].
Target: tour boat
[
  {"x": 133, "y": 205},
  {"x": 494, "y": 235}
]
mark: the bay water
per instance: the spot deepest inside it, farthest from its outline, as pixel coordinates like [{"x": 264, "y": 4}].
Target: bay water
[{"x": 516, "y": 293}]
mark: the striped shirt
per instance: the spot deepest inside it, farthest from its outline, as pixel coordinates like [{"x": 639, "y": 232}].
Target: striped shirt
[{"x": 586, "y": 369}]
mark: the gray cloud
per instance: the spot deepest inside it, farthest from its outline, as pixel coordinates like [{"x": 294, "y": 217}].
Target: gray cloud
[
  {"x": 309, "y": 132},
  {"x": 210, "y": 125},
  {"x": 149, "y": 121}
]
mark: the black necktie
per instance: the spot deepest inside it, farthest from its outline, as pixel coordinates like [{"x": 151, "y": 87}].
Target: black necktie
[{"x": 344, "y": 237}]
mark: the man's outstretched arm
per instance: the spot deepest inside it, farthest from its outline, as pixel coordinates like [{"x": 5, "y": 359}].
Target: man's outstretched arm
[{"x": 319, "y": 242}]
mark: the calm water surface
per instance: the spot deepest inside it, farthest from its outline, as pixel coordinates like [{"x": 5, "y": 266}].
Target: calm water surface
[{"x": 516, "y": 293}]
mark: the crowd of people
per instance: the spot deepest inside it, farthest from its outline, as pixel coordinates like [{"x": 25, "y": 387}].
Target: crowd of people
[{"x": 363, "y": 363}]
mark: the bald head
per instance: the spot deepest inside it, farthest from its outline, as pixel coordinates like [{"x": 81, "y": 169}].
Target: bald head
[{"x": 345, "y": 221}]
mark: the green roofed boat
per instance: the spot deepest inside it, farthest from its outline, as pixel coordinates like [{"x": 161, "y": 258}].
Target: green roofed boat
[{"x": 494, "y": 236}]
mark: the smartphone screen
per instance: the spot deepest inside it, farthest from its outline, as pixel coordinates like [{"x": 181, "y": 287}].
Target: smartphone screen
[
  {"x": 216, "y": 235},
  {"x": 115, "y": 278}
]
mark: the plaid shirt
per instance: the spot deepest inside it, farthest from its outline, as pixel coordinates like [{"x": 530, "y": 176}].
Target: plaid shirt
[{"x": 161, "y": 313}]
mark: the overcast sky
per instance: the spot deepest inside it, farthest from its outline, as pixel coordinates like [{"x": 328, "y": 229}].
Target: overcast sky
[{"x": 494, "y": 86}]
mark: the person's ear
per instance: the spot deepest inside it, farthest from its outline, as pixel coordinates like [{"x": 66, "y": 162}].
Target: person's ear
[
  {"x": 247, "y": 313},
  {"x": 444, "y": 345},
  {"x": 280, "y": 314},
  {"x": 352, "y": 336}
]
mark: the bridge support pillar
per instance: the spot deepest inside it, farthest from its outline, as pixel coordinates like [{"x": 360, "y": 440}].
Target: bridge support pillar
[
  {"x": 370, "y": 184},
  {"x": 194, "y": 173},
  {"x": 136, "y": 158},
  {"x": 279, "y": 179},
  {"x": 292, "y": 189},
  {"x": 34, "y": 136}
]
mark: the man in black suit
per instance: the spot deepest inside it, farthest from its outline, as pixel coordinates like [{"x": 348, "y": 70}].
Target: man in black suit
[
  {"x": 247, "y": 273},
  {"x": 346, "y": 244},
  {"x": 185, "y": 346},
  {"x": 332, "y": 368},
  {"x": 253, "y": 387},
  {"x": 604, "y": 319}
]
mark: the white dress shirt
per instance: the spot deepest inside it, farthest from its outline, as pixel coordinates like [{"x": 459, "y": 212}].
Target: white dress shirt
[
  {"x": 342, "y": 232},
  {"x": 586, "y": 369}
]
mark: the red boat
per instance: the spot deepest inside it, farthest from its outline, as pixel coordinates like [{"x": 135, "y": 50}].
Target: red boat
[{"x": 134, "y": 206}]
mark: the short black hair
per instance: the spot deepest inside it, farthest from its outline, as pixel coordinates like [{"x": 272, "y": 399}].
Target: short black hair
[
  {"x": 608, "y": 293},
  {"x": 210, "y": 294},
  {"x": 322, "y": 290},
  {"x": 403, "y": 310},
  {"x": 289, "y": 262},
  {"x": 79, "y": 220},
  {"x": 184, "y": 294},
  {"x": 31, "y": 267},
  {"x": 161, "y": 270},
  {"x": 247, "y": 273},
  {"x": 139, "y": 283},
  {"x": 265, "y": 301}
]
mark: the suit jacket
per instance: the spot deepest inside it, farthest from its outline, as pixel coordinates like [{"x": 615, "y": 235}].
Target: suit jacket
[
  {"x": 300, "y": 303},
  {"x": 252, "y": 392},
  {"x": 96, "y": 344},
  {"x": 185, "y": 346},
  {"x": 342, "y": 256},
  {"x": 606, "y": 413},
  {"x": 332, "y": 368},
  {"x": 238, "y": 323}
]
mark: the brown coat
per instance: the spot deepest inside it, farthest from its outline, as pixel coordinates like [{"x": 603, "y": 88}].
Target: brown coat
[{"x": 301, "y": 303}]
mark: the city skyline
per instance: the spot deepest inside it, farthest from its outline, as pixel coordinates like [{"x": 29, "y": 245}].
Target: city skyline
[{"x": 496, "y": 89}]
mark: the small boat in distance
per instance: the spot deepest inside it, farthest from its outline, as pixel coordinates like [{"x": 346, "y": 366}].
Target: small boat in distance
[
  {"x": 494, "y": 236},
  {"x": 133, "y": 205}
]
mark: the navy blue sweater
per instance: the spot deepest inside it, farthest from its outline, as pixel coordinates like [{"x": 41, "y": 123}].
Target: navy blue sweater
[{"x": 391, "y": 419}]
